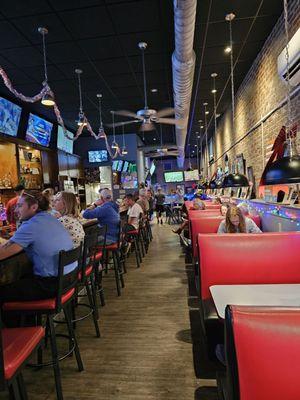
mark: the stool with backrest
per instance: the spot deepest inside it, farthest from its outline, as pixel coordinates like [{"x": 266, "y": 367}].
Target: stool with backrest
[
  {"x": 133, "y": 237},
  {"x": 66, "y": 289},
  {"x": 118, "y": 262},
  {"x": 99, "y": 261},
  {"x": 229, "y": 259},
  {"x": 261, "y": 347},
  {"x": 16, "y": 347}
]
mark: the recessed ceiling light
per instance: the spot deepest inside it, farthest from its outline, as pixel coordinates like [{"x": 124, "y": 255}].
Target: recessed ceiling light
[
  {"x": 202, "y": 126},
  {"x": 154, "y": 139},
  {"x": 27, "y": 148},
  {"x": 218, "y": 115},
  {"x": 154, "y": 90},
  {"x": 198, "y": 137},
  {"x": 199, "y": 120},
  {"x": 214, "y": 91},
  {"x": 227, "y": 50},
  {"x": 206, "y": 112},
  {"x": 205, "y": 104},
  {"x": 196, "y": 145}
]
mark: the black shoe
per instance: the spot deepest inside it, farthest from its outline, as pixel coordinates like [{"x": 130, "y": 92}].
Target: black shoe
[{"x": 161, "y": 221}]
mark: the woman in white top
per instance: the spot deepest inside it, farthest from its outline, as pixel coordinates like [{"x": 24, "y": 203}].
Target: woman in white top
[{"x": 66, "y": 204}]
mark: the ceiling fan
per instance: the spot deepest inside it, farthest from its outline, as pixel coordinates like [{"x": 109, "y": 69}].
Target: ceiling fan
[{"x": 147, "y": 116}]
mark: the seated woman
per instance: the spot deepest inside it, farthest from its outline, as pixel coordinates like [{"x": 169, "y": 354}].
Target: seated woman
[
  {"x": 236, "y": 222},
  {"x": 49, "y": 194},
  {"x": 65, "y": 203},
  {"x": 197, "y": 205}
]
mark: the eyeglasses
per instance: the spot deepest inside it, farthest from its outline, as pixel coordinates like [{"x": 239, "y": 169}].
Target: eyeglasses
[{"x": 29, "y": 195}]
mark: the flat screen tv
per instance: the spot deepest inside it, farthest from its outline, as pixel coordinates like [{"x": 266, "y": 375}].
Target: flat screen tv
[
  {"x": 191, "y": 175},
  {"x": 63, "y": 142},
  {"x": 152, "y": 168},
  {"x": 125, "y": 166},
  {"x": 97, "y": 156},
  {"x": 38, "y": 130},
  {"x": 10, "y": 115},
  {"x": 115, "y": 165},
  {"x": 174, "y": 176},
  {"x": 120, "y": 166}
]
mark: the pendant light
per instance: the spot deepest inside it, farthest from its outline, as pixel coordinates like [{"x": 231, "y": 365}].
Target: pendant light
[
  {"x": 124, "y": 150},
  {"x": 101, "y": 133},
  {"x": 114, "y": 144},
  {"x": 285, "y": 170},
  {"x": 214, "y": 184},
  {"x": 233, "y": 179},
  {"x": 81, "y": 117},
  {"x": 206, "y": 112},
  {"x": 48, "y": 99}
]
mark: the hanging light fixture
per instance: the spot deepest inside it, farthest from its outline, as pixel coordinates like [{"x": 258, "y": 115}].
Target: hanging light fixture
[
  {"x": 48, "y": 99},
  {"x": 81, "y": 117},
  {"x": 285, "y": 170},
  {"x": 101, "y": 132},
  {"x": 233, "y": 179},
  {"x": 213, "y": 184},
  {"x": 124, "y": 150},
  {"x": 114, "y": 144}
]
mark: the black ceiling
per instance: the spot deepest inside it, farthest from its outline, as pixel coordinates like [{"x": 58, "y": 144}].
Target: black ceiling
[{"x": 101, "y": 36}]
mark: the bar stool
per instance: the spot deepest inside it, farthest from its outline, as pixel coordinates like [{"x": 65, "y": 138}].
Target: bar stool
[
  {"x": 133, "y": 236},
  {"x": 66, "y": 290},
  {"x": 16, "y": 347},
  {"x": 118, "y": 261}
]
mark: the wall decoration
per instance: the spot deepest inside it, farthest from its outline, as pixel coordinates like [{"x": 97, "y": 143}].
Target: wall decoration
[
  {"x": 240, "y": 164},
  {"x": 92, "y": 175}
]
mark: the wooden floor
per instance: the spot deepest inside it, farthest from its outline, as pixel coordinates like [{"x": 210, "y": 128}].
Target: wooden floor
[{"x": 144, "y": 352}]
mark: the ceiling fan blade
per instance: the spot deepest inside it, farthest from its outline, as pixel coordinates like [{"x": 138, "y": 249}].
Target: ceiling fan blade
[
  {"x": 123, "y": 123},
  {"x": 171, "y": 121},
  {"x": 129, "y": 114},
  {"x": 146, "y": 127},
  {"x": 165, "y": 112}
]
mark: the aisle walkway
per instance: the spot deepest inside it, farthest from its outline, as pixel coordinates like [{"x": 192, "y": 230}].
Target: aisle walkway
[{"x": 144, "y": 352}]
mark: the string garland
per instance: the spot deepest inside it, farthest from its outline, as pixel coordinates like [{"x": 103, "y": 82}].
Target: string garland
[{"x": 47, "y": 91}]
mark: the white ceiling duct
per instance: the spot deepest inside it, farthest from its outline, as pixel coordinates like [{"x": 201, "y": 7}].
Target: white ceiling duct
[{"x": 183, "y": 64}]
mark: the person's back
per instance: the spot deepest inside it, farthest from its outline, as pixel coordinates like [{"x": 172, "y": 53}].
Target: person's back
[{"x": 42, "y": 238}]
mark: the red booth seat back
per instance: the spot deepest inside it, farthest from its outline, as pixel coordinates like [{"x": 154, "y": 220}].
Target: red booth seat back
[
  {"x": 267, "y": 345},
  {"x": 210, "y": 206},
  {"x": 243, "y": 258},
  {"x": 207, "y": 224},
  {"x": 202, "y": 213}
]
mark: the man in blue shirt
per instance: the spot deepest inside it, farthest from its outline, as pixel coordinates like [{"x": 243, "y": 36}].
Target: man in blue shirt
[
  {"x": 42, "y": 237},
  {"x": 105, "y": 210}
]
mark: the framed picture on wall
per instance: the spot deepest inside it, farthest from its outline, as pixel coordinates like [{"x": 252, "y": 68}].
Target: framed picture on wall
[{"x": 240, "y": 164}]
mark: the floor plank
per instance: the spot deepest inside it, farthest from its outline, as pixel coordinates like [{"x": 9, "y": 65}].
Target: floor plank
[{"x": 144, "y": 352}]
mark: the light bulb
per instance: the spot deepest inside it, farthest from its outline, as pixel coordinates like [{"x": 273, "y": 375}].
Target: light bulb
[
  {"x": 81, "y": 121},
  {"x": 227, "y": 50},
  {"x": 124, "y": 151},
  {"x": 114, "y": 145},
  {"x": 48, "y": 100}
]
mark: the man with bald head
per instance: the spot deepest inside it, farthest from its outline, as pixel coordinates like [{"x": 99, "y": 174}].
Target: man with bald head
[{"x": 107, "y": 213}]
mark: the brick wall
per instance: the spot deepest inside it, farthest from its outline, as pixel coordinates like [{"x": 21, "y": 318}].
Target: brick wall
[{"x": 261, "y": 91}]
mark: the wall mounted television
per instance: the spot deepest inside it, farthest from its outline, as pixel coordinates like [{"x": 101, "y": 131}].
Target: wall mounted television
[
  {"x": 38, "y": 130},
  {"x": 63, "y": 142},
  {"x": 152, "y": 168},
  {"x": 10, "y": 115},
  {"x": 174, "y": 176},
  {"x": 115, "y": 165},
  {"x": 120, "y": 165},
  {"x": 191, "y": 175},
  {"x": 97, "y": 156},
  {"x": 125, "y": 166}
]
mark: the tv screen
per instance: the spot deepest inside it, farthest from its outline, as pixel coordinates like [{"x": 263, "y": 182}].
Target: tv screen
[
  {"x": 10, "y": 115},
  {"x": 97, "y": 156},
  {"x": 125, "y": 166},
  {"x": 38, "y": 130},
  {"x": 175, "y": 176},
  {"x": 115, "y": 165},
  {"x": 120, "y": 166},
  {"x": 63, "y": 142},
  {"x": 191, "y": 175},
  {"x": 152, "y": 168}
]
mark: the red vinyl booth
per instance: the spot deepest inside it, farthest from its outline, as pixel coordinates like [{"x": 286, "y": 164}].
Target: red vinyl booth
[
  {"x": 242, "y": 258},
  {"x": 208, "y": 223},
  {"x": 201, "y": 213},
  {"x": 262, "y": 348}
]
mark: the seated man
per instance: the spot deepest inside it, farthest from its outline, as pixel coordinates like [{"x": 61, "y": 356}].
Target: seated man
[
  {"x": 134, "y": 213},
  {"x": 105, "y": 211},
  {"x": 143, "y": 200},
  {"x": 42, "y": 237}
]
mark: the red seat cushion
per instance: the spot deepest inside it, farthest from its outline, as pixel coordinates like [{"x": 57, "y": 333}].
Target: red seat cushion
[
  {"x": 18, "y": 344},
  {"x": 113, "y": 246},
  {"x": 88, "y": 271},
  {"x": 98, "y": 255},
  {"x": 47, "y": 304},
  {"x": 133, "y": 232}
]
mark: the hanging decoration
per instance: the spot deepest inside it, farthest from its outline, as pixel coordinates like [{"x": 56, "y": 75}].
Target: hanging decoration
[{"x": 124, "y": 149}]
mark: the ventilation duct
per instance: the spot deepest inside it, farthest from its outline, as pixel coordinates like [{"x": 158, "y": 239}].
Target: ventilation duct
[{"x": 183, "y": 64}]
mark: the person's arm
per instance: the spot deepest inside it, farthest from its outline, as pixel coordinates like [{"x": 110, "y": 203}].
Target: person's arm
[
  {"x": 9, "y": 249},
  {"x": 222, "y": 228},
  {"x": 252, "y": 227},
  {"x": 92, "y": 212}
]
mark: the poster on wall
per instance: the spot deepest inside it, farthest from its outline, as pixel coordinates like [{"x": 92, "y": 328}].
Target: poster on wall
[
  {"x": 240, "y": 164},
  {"x": 251, "y": 178},
  {"x": 92, "y": 175}
]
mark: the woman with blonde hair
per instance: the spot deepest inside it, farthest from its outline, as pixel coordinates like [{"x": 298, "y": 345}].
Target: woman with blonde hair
[
  {"x": 67, "y": 205},
  {"x": 49, "y": 195},
  {"x": 236, "y": 222}
]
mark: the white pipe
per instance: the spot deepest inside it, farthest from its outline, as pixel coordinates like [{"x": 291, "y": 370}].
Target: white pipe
[{"x": 183, "y": 63}]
